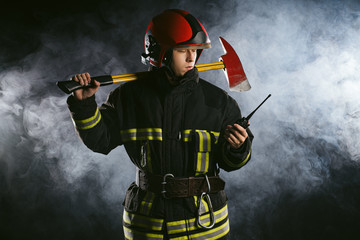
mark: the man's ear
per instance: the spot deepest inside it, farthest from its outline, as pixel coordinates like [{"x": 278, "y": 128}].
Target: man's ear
[{"x": 168, "y": 57}]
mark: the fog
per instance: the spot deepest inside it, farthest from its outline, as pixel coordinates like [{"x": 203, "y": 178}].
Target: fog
[{"x": 303, "y": 179}]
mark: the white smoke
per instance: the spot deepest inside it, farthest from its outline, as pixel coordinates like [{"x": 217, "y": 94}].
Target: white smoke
[{"x": 305, "y": 53}]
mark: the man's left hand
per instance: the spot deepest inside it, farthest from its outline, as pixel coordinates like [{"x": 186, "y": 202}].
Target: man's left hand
[{"x": 235, "y": 135}]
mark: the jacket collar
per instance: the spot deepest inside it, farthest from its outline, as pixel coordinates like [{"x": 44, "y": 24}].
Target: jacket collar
[{"x": 187, "y": 82}]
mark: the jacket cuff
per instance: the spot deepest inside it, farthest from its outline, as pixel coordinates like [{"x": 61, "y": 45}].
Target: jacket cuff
[
  {"x": 241, "y": 150},
  {"x": 241, "y": 154},
  {"x": 82, "y": 109}
]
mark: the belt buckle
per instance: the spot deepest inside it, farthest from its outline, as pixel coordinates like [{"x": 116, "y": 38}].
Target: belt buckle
[
  {"x": 163, "y": 184},
  {"x": 206, "y": 197}
]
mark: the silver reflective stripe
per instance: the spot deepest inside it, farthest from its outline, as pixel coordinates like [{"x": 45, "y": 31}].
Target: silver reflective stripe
[
  {"x": 204, "y": 148},
  {"x": 202, "y": 165},
  {"x": 204, "y": 140},
  {"x": 89, "y": 122},
  {"x": 186, "y": 135},
  {"x": 136, "y": 134},
  {"x": 191, "y": 224},
  {"x": 143, "y": 221},
  {"x": 137, "y": 235},
  {"x": 203, "y": 207},
  {"x": 214, "y": 233}
]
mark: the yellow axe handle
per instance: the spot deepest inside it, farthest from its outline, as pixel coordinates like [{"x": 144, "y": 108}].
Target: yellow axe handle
[
  {"x": 134, "y": 76},
  {"x": 70, "y": 85}
]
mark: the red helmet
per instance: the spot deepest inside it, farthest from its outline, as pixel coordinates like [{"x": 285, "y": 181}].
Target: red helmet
[{"x": 173, "y": 28}]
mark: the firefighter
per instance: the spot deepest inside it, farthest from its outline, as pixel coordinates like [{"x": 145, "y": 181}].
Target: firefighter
[{"x": 177, "y": 129}]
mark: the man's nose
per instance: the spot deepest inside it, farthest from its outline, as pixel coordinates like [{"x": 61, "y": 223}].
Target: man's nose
[{"x": 191, "y": 55}]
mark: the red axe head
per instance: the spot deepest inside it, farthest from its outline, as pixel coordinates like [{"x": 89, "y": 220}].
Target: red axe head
[{"x": 234, "y": 71}]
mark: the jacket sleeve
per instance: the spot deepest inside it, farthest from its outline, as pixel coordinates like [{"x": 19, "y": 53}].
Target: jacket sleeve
[
  {"x": 233, "y": 159},
  {"x": 97, "y": 127}
]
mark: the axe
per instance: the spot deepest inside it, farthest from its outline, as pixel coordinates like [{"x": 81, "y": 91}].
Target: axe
[{"x": 229, "y": 62}]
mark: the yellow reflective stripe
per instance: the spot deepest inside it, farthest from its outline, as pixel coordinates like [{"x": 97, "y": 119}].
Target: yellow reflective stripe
[
  {"x": 135, "y": 134},
  {"x": 201, "y": 141},
  {"x": 89, "y": 122},
  {"x": 204, "y": 149},
  {"x": 191, "y": 224},
  {"x": 233, "y": 165},
  {"x": 145, "y": 205},
  {"x": 135, "y": 235},
  {"x": 208, "y": 141},
  {"x": 216, "y": 134},
  {"x": 88, "y": 119},
  {"x": 212, "y": 234},
  {"x": 186, "y": 135},
  {"x": 205, "y": 205},
  {"x": 204, "y": 140},
  {"x": 143, "y": 221},
  {"x": 202, "y": 166},
  {"x": 246, "y": 159},
  {"x": 187, "y": 132}
]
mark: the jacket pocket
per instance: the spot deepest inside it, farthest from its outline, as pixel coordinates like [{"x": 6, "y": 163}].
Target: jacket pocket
[
  {"x": 132, "y": 198},
  {"x": 203, "y": 144}
]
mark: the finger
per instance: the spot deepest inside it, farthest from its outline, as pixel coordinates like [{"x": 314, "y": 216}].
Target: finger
[
  {"x": 81, "y": 80},
  {"x": 75, "y": 78},
  {"x": 88, "y": 78},
  {"x": 96, "y": 83},
  {"x": 241, "y": 130},
  {"x": 232, "y": 143},
  {"x": 236, "y": 133},
  {"x": 84, "y": 78},
  {"x": 231, "y": 130},
  {"x": 235, "y": 139}
]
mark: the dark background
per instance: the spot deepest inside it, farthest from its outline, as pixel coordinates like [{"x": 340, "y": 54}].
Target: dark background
[{"x": 303, "y": 181}]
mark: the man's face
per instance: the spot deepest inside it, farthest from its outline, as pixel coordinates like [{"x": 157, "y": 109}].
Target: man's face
[{"x": 183, "y": 60}]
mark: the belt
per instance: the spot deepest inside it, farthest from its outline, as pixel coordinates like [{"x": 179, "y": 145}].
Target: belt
[{"x": 178, "y": 187}]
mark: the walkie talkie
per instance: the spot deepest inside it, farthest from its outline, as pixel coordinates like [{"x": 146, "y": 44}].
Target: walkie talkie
[{"x": 244, "y": 122}]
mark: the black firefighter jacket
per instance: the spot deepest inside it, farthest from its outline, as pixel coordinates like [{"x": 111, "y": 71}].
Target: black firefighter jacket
[{"x": 166, "y": 129}]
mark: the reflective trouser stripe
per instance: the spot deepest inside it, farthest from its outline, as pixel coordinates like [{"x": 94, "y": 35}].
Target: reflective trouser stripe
[
  {"x": 135, "y": 134},
  {"x": 212, "y": 234},
  {"x": 204, "y": 205},
  {"x": 145, "y": 222},
  {"x": 191, "y": 224},
  {"x": 141, "y": 227},
  {"x": 145, "y": 206},
  {"x": 89, "y": 122},
  {"x": 137, "y": 235}
]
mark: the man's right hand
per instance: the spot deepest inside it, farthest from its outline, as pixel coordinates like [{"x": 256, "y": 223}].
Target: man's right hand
[{"x": 85, "y": 80}]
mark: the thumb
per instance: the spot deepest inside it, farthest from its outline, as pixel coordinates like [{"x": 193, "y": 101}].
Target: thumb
[{"x": 96, "y": 84}]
